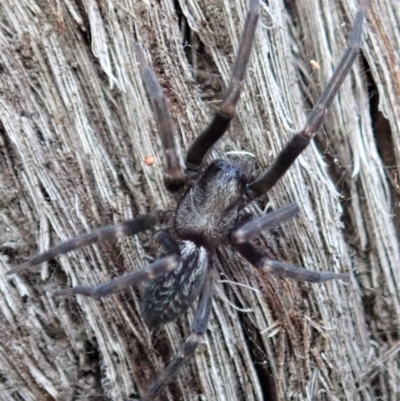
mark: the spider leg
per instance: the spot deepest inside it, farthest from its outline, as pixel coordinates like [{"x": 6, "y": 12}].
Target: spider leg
[
  {"x": 108, "y": 233},
  {"x": 284, "y": 270},
  {"x": 188, "y": 348},
  {"x": 174, "y": 180},
  {"x": 242, "y": 234},
  {"x": 301, "y": 140},
  {"x": 248, "y": 230},
  {"x": 207, "y": 138},
  {"x": 163, "y": 265}
]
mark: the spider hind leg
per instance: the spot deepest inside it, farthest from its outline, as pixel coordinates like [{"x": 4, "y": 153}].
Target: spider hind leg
[{"x": 188, "y": 348}]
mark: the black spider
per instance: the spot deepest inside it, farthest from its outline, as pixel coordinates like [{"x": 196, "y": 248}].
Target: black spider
[{"x": 209, "y": 214}]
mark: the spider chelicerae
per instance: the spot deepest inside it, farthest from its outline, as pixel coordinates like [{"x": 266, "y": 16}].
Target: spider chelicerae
[{"x": 211, "y": 199}]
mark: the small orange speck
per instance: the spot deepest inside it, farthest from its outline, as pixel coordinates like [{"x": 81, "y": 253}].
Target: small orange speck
[
  {"x": 149, "y": 160},
  {"x": 314, "y": 65}
]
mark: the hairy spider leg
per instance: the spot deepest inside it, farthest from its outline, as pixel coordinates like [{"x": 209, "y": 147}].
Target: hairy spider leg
[
  {"x": 285, "y": 270},
  {"x": 188, "y": 348},
  {"x": 220, "y": 123},
  {"x": 109, "y": 233},
  {"x": 302, "y": 139},
  {"x": 250, "y": 227},
  {"x": 174, "y": 180},
  {"x": 150, "y": 272},
  {"x": 247, "y": 230}
]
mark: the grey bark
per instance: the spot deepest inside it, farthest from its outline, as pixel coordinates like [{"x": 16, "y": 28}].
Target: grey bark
[{"x": 76, "y": 126}]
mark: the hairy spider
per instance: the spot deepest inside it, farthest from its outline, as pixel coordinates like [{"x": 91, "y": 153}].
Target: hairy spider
[{"x": 210, "y": 208}]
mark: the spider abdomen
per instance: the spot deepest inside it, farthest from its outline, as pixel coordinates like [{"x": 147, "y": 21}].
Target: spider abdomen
[{"x": 170, "y": 295}]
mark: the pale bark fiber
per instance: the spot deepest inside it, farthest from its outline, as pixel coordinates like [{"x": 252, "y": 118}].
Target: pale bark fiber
[{"x": 76, "y": 126}]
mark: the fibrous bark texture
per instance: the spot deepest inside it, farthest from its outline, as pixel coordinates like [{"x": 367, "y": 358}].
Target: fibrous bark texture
[{"x": 76, "y": 126}]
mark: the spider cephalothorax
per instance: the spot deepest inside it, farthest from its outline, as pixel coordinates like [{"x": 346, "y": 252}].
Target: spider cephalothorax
[
  {"x": 208, "y": 210},
  {"x": 210, "y": 207}
]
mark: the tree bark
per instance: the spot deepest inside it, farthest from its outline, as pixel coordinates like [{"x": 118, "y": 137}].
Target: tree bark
[{"x": 76, "y": 126}]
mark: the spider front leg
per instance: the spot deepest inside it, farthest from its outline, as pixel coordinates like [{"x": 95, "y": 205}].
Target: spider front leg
[
  {"x": 216, "y": 129},
  {"x": 247, "y": 230},
  {"x": 163, "y": 265},
  {"x": 301, "y": 140},
  {"x": 108, "y": 233},
  {"x": 188, "y": 348},
  {"x": 174, "y": 180}
]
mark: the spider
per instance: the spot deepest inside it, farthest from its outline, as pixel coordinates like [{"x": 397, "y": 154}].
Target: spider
[{"x": 210, "y": 212}]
